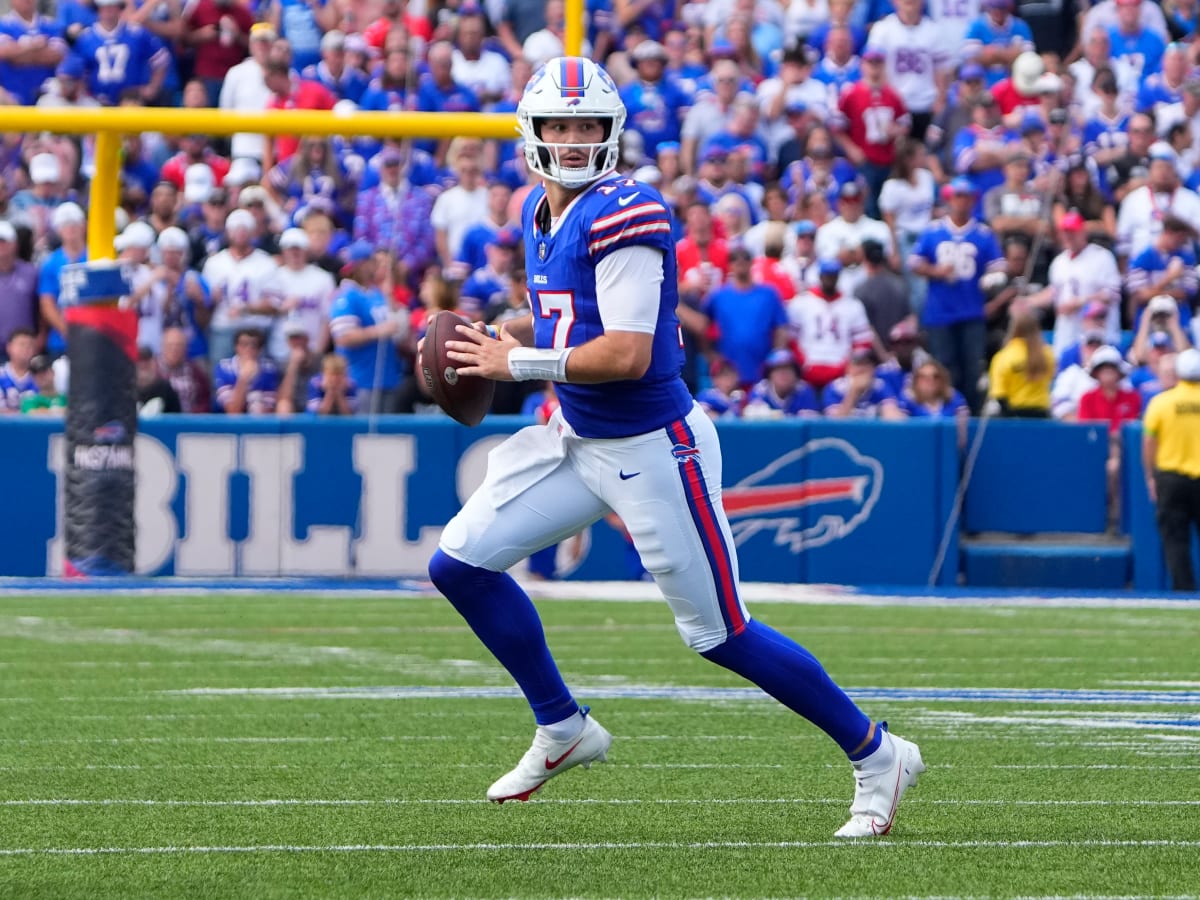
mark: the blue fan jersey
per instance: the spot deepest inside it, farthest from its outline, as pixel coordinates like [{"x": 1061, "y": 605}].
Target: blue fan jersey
[
  {"x": 1143, "y": 50},
  {"x": 971, "y": 250},
  {"x": 653, "y": 110},
  {"x": 24, "y": 82},
  {"x": 118, "y": 60},
  {"x": 561, "y": 267},
  {"x": 358, "y": 307}
]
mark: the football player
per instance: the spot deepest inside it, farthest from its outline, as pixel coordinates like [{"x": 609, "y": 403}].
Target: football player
[{"x": 627, "y": 439}]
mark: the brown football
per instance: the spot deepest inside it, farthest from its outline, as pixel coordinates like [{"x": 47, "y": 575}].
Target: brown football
[{"x": 465, "y": 398}]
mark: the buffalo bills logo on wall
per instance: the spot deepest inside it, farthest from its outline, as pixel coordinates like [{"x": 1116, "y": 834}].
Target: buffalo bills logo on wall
[{"x": 827, "y": 475}]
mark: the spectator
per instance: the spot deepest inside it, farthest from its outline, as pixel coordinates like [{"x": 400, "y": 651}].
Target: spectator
[
  {"x": 840, "y": 65},
  {"x": 1164, "y": 89},
  {"x": 1112, "y": 400},
  {"x": 69, "y": 223},
  {"x": 953, "y": 255},
  {"x": 546, "y": 43},
  {"x": 1162, "y": 316},
  {"x": 906, "y": 205},
  {"x": 1083, "y": 277},
  {"x": 155, "y": 394},
  {"x": 219, "y": 32},
  {"x": 244, "y": 89},
  {"x": 996, "y": 38},
  {"x": 828, "y": 326},
  {"x": 1075, "y": 380},
  {"x": 300, "y": 366},
  {"x": 724, "y": 398},
  {"x": 248, "y": 381},
  {"x": 793, "y": 90},
  {"x": 332, "y": 392},
  {"x": 1080, "y": 195},
  {"x": 120, "y": 56},
  {"x": 842, "y": 238},
  {"x": 1003, "y": 288},
  {"x": 302, "y": 25},
  {"x": 437, "y": 91},
  {"x": 981, "y": 151},
  {"x": 861, "y": 393},
  {"x": 768, "y": 268},
  {"x": 31, "y": 46},
  {"x": 781, "y": 392},
  {"x": 365, "y": 330},
  {"x": 267, "y": 217},
  {"x": 344, "y": 81},
  {"x": 1166, "y": 267},
  {"x": 486, "y": 73},
  {"x": 238, "y": 277},
  {"x": 16, "y": 380},
  {"x": 68, "y": 88},
  {"x": 458, "y": 208},
  {"x": 1134, "y": 44},
  {"x": 18, "y": 287},
  {"x": 1131, "y": 171},
  {"x": 187, "y": 377},
  {"x": 302, "y": 292},
  {"x": 207, "y": 237},
  {"x": 817, "y": 174},
  {"x": 1166, "y": 378},
  {"x": 396, "y": 216},
  {"x": 875, "y": 120},
  {"x": 395, "y": 21},
  {"x": 1021, "y": 373},
  {"x": 289, "y": 91},
  {"x": 324, "y": 240},
  {"x": 473, "y": 252},
  {"x": 36, "y": 204},
  {"x": 929, "y": 394},
  {"x": 45, "y": 399},
  {"x": 905, "y": 353},
  {"x": 490, "y": 285},
  {"x": 313, "y": 173},
  {"x": 711, "y": 112},
  {"x": 390, "y": 90},
  {"x": 749, "y": 318},
  {"x": 1015, "y": 206},
  {"x": 917, "y": 61},
  {"x": 1144, "y": 210},
  {"x": 653, "y": 102},
  {"x": 1171, "y": 459},
  {"x": 884, "y": 294}
]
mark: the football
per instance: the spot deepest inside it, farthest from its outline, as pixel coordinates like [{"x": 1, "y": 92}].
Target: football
[{"x": 465, "y": 398}]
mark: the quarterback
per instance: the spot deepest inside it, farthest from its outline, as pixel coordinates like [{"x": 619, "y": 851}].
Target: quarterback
[{"x": 627, "y": 439}]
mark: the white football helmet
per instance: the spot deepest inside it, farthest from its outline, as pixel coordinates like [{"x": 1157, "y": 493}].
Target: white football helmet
[{"x": 571, "y": 86}]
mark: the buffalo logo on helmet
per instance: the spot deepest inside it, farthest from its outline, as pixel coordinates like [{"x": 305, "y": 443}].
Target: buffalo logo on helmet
[{"x": 807, "y": 498}]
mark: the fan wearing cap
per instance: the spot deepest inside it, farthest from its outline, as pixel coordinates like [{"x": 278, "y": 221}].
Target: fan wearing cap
[
  {"x": 1074, "y": 380},
  {"x": 238, "y": 277},
  {"x": 724, "y": 397},
  {"x": 1145, "y": 210},
  {"x": 489, "y": 285},
  {"x": 70, "y": 224},
  {"x": 396, "y": 216},
  {"x": 303, "y": 293},
  {"x": 245, "y": 89},
  {"x": 842, "y": 237},
  {"x": 365, "y": 328},
  {"x": 1171, "y": 460},
  {"x": 1112, "y": 400},
  {"x": 1083, "y": 282},
  {"x": 748, "y": 318},
  {"x": 194, "y": 149},
  {"x": 996, "y": 38},
  {"x": 781, "y": 392},
  {"x": 1166, "y": 267},
  {"x": 46, "y": 398},
  {"x": 33, "y": 46},
  {"x": 36, "y": 203},
  {"x": 68, "y": 89},
  {"x": 861, "y": 393},
  {"x": 954, "y": 253},
  {"x": 874, "y": 119},
  {"x": 654, "y": 102},
  {"x": 18, "y": 287},
  {"x": 982, "y": 149},
  {"x": 828, "y": 326},
  {"x": 120, "y": 56},
  {"x": 170, "y": 295},
  {"x": 1158, "y": 330},
  {"x": 918, "y": 62}
]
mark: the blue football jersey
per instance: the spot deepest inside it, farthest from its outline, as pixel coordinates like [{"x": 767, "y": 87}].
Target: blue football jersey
[
  {"x": 358, "y": 307},
  {"x": 561, "y": 267},
  {"x": 14, "y": 388},
  {"x": 119, "y": 60},
  {"x": 971, "y": 250},
  {"x": 1143, "y": 51}
]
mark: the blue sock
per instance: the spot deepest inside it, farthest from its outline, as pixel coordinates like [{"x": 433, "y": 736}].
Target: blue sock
[
  {"x": 795, "y": 678},
  {"x": 503, "y": 617}
]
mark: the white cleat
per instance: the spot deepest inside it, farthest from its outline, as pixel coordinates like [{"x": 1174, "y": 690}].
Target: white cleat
[
  {"x": 879, "y": 787},
  {"x": 547, "y": 758}
]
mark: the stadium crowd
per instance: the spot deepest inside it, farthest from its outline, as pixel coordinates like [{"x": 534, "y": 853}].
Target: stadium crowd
[{"x": 882, "y": 211}]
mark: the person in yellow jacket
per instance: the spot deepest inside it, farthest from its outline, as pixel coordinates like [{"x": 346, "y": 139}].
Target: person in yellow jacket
[
  {"x": 1021, "y": 371},
  {"x": 1171, "y": 458}
]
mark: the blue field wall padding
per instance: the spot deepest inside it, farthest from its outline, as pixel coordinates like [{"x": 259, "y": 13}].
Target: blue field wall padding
[
  {"x": 1037, "y": 476},
  {"x": 843, "y": 502}
]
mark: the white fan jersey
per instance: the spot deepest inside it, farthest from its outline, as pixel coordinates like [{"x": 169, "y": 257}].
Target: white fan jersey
[
  {"x": 827, "y": 330},
  {"x": 914, "y": 54},
  {"x": 236, "y": 284},
  {"x": 1092, "y": 272}
]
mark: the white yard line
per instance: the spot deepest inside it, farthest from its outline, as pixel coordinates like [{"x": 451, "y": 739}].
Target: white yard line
[
  {"x": 600, "y": 845},
  {"x": 741, "y": 801}
]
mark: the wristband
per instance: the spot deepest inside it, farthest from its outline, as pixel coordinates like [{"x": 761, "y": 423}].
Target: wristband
[{"x": 531, "y": 364}]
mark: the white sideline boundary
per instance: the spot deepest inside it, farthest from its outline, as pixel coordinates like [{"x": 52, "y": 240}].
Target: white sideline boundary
[{"x": 600, "y": 591}]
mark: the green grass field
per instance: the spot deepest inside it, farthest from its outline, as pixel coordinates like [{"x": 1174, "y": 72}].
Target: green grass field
[{"x": 273, "y": 745}]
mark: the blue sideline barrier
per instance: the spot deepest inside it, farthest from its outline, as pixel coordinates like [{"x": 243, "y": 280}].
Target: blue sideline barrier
[{"x": 861, "y": 503}]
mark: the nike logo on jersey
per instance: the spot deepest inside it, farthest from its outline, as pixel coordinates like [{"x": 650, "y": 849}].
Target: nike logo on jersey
[
  {"x": 625, "y": 477},
  {"x": 551, "y": 766},
  {"x": 625, "y": 201}
]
